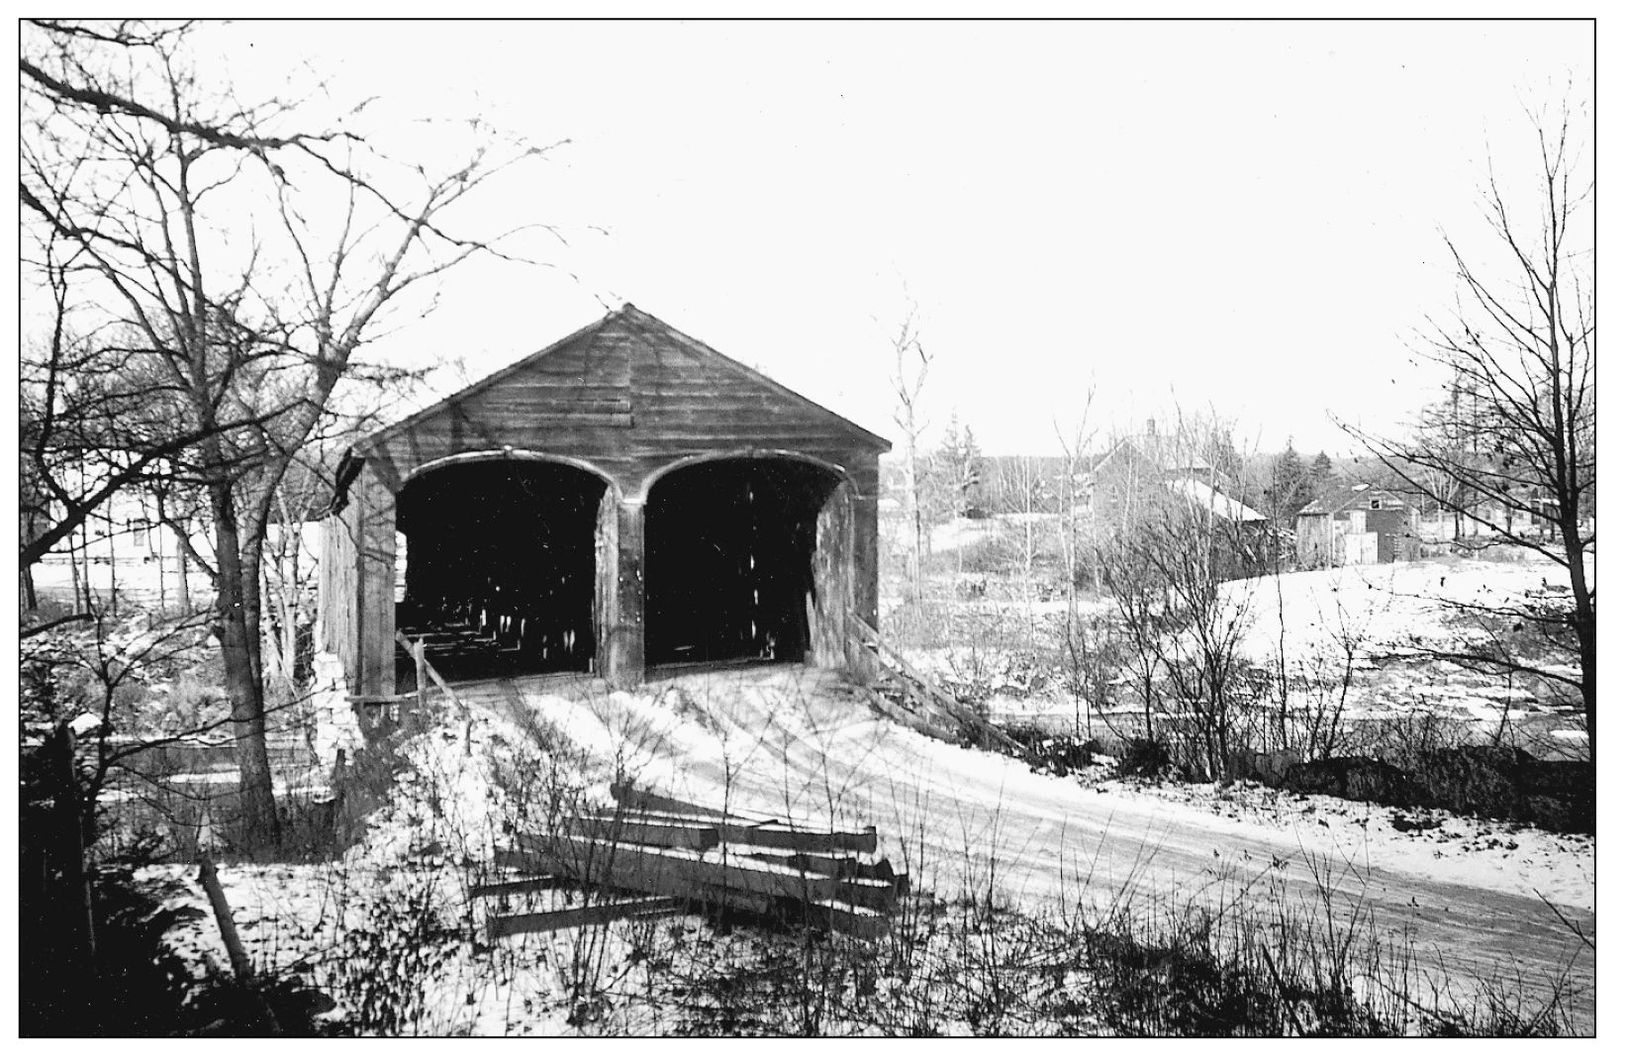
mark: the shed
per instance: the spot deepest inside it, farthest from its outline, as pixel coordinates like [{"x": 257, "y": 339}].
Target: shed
[
  {"x": 624, "y": 499},
  {"x": 1361, "y": 525}
]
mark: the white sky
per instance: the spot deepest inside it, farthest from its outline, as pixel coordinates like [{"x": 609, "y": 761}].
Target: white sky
[{"x": 1243, "y": 215}]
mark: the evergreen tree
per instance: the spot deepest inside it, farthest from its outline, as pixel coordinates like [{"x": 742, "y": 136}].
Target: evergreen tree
[
  {"x": 1320, "y": 476},
  {"x": 1219, "y": 448},
  {"x": 1289, "y": 483}
]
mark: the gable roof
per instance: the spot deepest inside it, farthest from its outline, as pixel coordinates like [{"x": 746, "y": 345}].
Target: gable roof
[
  {"x": 1339, "y": 502},
  {"x": 378, "y": 437},
  {"x": 642, "y": 324},
  {"x": 1155, "y": 449},
  {"x": 632, "y": 313},
  {"x": 1212, "y": 500}
]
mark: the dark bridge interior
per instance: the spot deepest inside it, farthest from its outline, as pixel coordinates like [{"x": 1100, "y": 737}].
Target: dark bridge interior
[
  {"x": 729, "y": 560},
  {"x": 500, "y": 571}
]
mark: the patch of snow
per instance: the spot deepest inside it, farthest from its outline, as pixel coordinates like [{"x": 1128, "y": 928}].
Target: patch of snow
[{"x": 85, "y": 723}]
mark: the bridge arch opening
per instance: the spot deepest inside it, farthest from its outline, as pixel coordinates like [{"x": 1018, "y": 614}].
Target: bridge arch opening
[
  {"x": 745, "y": 559},
  {"x": 502, "y": 563}
]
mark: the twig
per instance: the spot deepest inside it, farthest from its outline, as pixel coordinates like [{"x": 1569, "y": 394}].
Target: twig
[
  {"x": 1569, "y": 923},
  {"x": 234, "y": 945}
]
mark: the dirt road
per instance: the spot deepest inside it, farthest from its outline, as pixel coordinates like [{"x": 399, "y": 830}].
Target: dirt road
[{"x": 787, "y": 740}]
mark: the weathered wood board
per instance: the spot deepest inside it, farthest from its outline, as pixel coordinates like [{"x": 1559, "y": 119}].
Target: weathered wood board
[
  {"x": 586, "y": 915},
  {"x": 645, "y": 869},
  {"x": 699, "y": 837},
  {"x": 514, "y": 887}
]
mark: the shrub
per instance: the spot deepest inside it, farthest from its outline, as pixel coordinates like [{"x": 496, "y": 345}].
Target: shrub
[
  {"x": 1058, "y": 755},
  {"x": 386, "y": 963},
  {"x": 1144, "y": 758},
  {"x": 1355, "y": 778}
]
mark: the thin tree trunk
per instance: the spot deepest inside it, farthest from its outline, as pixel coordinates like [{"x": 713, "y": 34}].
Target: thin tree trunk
[
  {"x": 183, "y": 591},
  {"x": 163, "y": 585},
  {"x": 80, "y": 587},
  {"x": 911, "y": 510},
  {"x": 238, "y": 647},
  {"x": 112, "y": 567},
  {"x": 1586, "y": 627}
]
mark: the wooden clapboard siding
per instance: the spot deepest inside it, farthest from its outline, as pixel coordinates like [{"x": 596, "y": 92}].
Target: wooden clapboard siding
[
  {"x": 832, "y": 581},
  {"x": 373, "y": 668},
  {"x": 337, "y": 591},
  {"x": 631, "y": 396}
]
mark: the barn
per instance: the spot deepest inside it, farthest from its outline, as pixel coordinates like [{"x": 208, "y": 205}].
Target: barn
[{"x": 624, "y": 500}]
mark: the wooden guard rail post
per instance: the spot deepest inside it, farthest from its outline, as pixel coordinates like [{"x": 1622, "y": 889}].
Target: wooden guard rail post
[
  {"x": 424, "y": 672},
  {"x": 913, "y": 679}
]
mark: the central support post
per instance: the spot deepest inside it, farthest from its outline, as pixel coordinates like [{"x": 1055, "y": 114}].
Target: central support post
[{"x": 624, "y": 658}]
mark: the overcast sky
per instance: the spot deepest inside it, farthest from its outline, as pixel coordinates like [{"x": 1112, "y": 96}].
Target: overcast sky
[{"x": 1246, "y": 216}]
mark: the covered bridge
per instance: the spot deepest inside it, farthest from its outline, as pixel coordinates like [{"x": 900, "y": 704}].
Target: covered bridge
[{"x": 625, "y": 498}]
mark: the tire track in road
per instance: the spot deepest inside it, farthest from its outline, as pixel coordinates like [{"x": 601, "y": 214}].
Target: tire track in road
[{"x": 806, "y": 744}]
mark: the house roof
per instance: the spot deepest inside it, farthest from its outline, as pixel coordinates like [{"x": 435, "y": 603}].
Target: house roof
[
  {"x": 644, "y": 324},
  {"x": 1158, "y": 449},
  {"x": 1343, "y": 500},
  {"x": 1212, "y": 500}
]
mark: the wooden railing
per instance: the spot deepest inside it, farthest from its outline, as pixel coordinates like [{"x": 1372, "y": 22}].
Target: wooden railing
[
  {"x": 390, "y": 708},
  {"x": 423, "y": 669},
  {"x": 927, "y": 702}
]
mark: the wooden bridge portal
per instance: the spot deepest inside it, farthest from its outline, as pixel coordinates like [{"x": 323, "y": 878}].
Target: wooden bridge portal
[{"x": 626, "y": 498}]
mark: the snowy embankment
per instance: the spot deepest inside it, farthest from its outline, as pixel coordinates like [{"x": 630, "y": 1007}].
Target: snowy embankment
[
  {"x": 1384, "y": 607},
  {"x": 792, "y": 741},
  {"x": 1317, "y": 619},
  {"x": 389, "y": 922}
]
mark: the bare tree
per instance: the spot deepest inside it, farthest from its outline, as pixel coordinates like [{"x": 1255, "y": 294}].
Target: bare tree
[
  {"x": 87, "y": 431},
  {"x": 1076, "y": 642},
  {"x": 1440, "y": 427},
  {"x": 911, "y": 362},
  {"x": 234, "y": 264},
  {"x": 1140, "y": 601},
  {"x": 1165, "y": 572},
  {"x": 960, "y": 466},
  {"x": 1171, "y": 558},
  {"x": 1518, "y": 353}
]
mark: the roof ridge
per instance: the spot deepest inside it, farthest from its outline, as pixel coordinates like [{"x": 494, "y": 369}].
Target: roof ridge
[
  {"x": 635, "y": 317},
  {"x": 757, "y": 376}
]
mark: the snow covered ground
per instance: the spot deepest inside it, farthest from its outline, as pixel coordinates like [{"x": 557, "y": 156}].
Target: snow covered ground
[
  {"x": 1402, "y": 609},
  {"x": 1469, "y": 897},
  {"x": 1379, "y": 611},
  {"x": 1385, "y": 606}
]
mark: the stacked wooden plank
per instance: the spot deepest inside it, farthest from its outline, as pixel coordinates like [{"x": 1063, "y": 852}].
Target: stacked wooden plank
[{"x": 665, "y": 853}]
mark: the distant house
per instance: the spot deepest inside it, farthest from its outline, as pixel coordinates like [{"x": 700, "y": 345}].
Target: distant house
[
  {"x": 1151, "y": 470},
  {"x": 1361, "y": 525},
  {"x": 1143, "y": 467}
]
